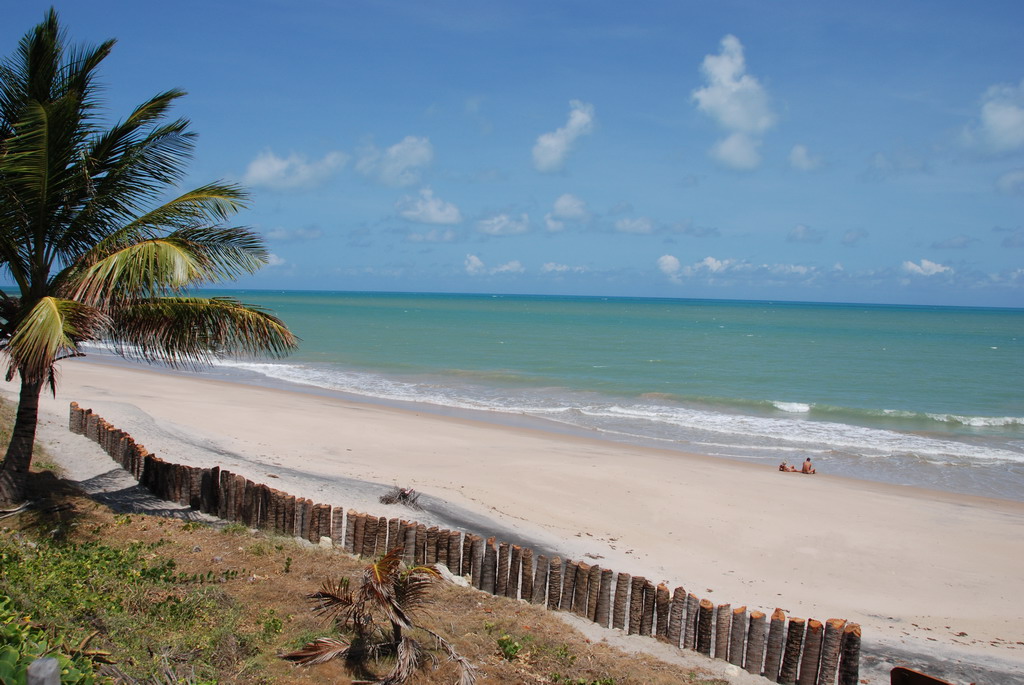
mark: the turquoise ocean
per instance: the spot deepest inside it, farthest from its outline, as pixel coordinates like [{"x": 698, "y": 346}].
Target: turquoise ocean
[{"x": 921, "y": 396}]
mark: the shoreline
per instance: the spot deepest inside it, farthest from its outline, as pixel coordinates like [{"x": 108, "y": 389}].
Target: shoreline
[{"x": 914, "y": 567}]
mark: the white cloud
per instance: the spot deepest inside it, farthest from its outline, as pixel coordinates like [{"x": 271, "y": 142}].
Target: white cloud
[
  {"x": 555, "y": 268},
  {"x": 738, "y": 151},
  {"x": 804, "y": 234},
  {"x": 551, "y": 149},
  {"x": 1000, "y": 125},
  {"x": 553, "y": 224},
  {"x": 735, "y": 99},
  {"x": 670, "y": 266},
  {"x": 1011, "y": 183},
  {"x": 297, "y": 235},
  {"x": 800, "y": 158},
  {"x": 711, "y": 265},
  {"x": 274, "y": 260},
  {"x": 434, "y": 235},
  {"x": 567, "y": 207},
  {"x": 854, "y": 237},
  {"x": 790, "y": 269},
  {"x": 513, "y": 267},
  {"x": 427, "y": 209},
  {"x": 641, "y": 225},
  {"x": 926, "y": 268},
  {"x": 503, "y": 224},
  {"x": 474, "y": 265},
  {"x": 899, "y": 163},
  {"x": 294, "y": 171},
  {"x": 399, "y": 165}
]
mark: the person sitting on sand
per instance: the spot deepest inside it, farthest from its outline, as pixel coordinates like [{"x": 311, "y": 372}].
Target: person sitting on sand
[
  {"x": 807, "y": 467},
  {"x": 786, "y": 467}
]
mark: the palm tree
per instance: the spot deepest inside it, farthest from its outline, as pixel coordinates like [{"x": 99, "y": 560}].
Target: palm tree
[
  {"x": 379, "y": 615},
  {"x": 92, "y": 245}
]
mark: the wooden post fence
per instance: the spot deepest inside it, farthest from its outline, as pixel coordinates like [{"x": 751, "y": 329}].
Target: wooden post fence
[{"x": 800, "y": 653}]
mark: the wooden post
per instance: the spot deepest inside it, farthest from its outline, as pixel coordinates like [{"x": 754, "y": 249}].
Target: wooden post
[
  {"x": 394, "y": 525},
  {"x": 421, "y": 542},
  {"x": 705, "y": 626},
  {"x": 647, "y": 618},
  {"x": 455, "y": 552},
  {"x": 467, "y": 555},
  {"x": 73, "y": 417},
  {"x": 830, "y": 648},
  {"x": 661, "y": 604},
  {"x": 812, "y": 653},
  {"x": 307, "y": 519},
  {"x": 271, "y": 502},
  {"x": 490, "y": 572},
  {"x": 515, "y": 570},
  {"x": 409, "y": 546},
  {"x": 849, "y": 663},
  {"x": 636, "y": 604},
  {"x": 501, "y": 579},
  {"x": 621, "y": 604},
  {"x": 676, "y": 610},
  {"x": 223, "y": 493},
  {"x": 359, "y": 533},
  {"x": 723, "y": 625},
  {"x": 690, "y": 629},
  {"x": 526, "y": 589},
  {"x": 313, "y": 527},
  {"x": 442, "y": 547},
  {"x": 350, "y": 532},
  {"x": 755, "y": 643},
  {"x": 326, "y": 522},
  {"x": 477, "y": 560},
  {"x": 430, "y": 547},
  {"x": 602, "y": 613},
  {"x": 568, "y": 585},
  {"x": 554, "y": 583},
  {"x": 338, "y": 529},
  {"x": 593, "y": 591},
  {"x": 540, "y": 581},
  {"x": 737, "y": 635},
  {"x": 371, "y": 532},
  {"x": 776, "y": 641},
  {"x": 791, "y": 655},
  {"x": 581, "y": 589}
]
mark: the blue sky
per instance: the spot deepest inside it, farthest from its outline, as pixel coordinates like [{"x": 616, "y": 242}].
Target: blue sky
[{"x": 866, "y": 151}]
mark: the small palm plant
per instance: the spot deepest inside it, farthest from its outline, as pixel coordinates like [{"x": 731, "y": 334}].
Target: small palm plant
[{"x": 378, "y": 616}]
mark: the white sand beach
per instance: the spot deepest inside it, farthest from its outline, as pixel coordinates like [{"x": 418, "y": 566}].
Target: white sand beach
[{"x": 920, "y": 570}]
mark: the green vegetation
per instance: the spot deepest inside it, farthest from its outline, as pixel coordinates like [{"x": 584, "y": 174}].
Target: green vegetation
[
  {"x": 134, "y": 596},
  {"x": 21, "y": 643}
]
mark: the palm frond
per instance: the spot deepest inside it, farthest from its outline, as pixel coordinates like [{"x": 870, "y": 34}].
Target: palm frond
[
  {"x": 185, "y": 258},
  {"x": 319, "y": 651},
  {"x": 467, "y": 671},
  {"x": 51, "y": 329},
  {"x": 333, "y": 598},
  {"x": 412, "y": 588},
  {"x": 192, "y": 331},
  {"x": 408, "y": 658}
]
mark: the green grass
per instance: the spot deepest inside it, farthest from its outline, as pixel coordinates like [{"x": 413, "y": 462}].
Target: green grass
[{"x": 155, "y": 614}]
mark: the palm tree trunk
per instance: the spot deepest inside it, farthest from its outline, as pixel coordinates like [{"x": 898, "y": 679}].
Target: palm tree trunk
[{"x": 14, "y": 469}]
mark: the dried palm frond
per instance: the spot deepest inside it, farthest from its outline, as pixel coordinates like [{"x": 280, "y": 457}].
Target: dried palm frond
[
  {"x": 319, "y": 651},
  {"x": 467, "y": 671},
  {"x": 333, "y": 598}
]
